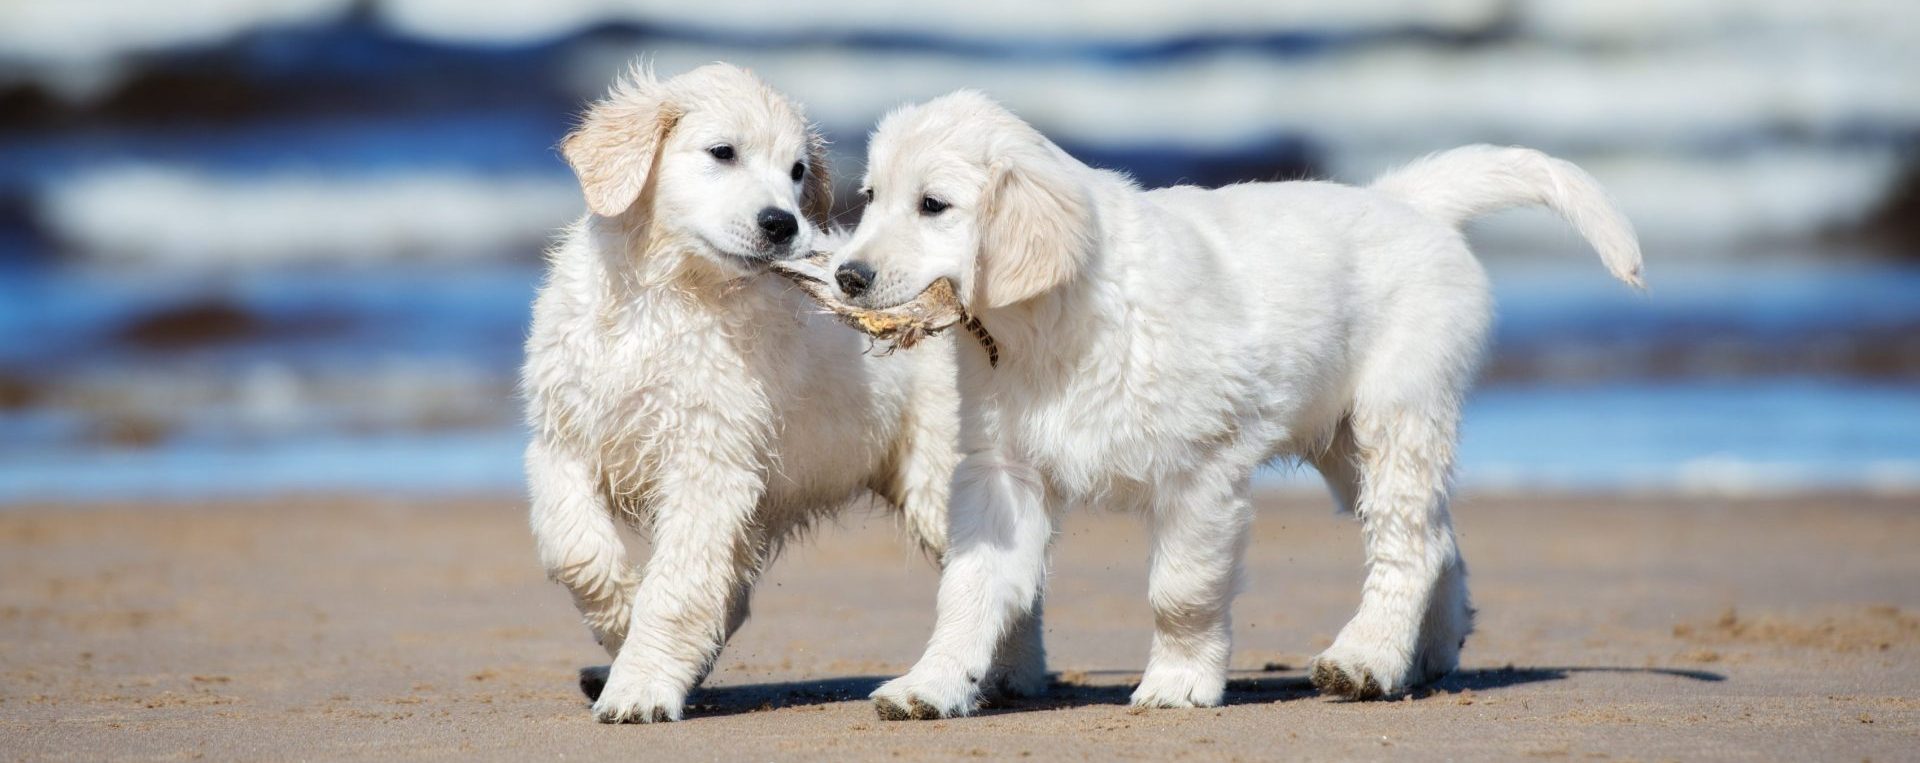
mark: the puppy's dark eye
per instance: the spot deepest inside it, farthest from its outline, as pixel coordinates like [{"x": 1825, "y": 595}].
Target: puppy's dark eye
[
  {"x": 932, "y": 206},
  {"x": 799, "y": 171},
  {"x": 723, "y": 152}
]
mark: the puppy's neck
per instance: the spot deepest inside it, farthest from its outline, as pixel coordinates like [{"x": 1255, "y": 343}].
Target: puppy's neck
[{"x": 1040, "y": 337}]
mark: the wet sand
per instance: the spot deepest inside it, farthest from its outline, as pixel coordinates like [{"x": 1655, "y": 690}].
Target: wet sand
[{"x": 1639, "y": 628}]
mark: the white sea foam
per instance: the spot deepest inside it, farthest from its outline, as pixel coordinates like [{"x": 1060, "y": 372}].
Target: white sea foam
[
  {"x": 1384, "y": 97},
  {"x": 1688, "y": 141},
  {"x": 80, "y": 46},
  {"x": 83, "y": 44},
  {"x": 99, "y": 30},
  {"x": 1111, "y": 20},
  {"x": 1728, "y": 121},
  {"x": 1685, "y": 205},
  {"x": 1641, "y": 22},
  {"x": 179, "y": 216}
]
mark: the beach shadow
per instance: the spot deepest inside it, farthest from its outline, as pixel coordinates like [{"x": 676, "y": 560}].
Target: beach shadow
[
  {"x": 1484, "y": 679},
  {"x": 718, "y": 701},
  {"x": 1280, "y": 683},
  {"x": 1244, "y": 687}
]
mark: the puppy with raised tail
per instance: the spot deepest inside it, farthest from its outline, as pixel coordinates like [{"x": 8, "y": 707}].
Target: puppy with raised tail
[
  {"x": 1156, "y": 347},
  {"x": 672, "y": 384}
]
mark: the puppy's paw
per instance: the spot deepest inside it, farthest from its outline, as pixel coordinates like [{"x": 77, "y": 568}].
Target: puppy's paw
[
  {"x": 924, "y": 695},
  {"x": 627, "y": 698},
  {"x": 1360, "y": 673},
  {"x": 1170, "y": 686}
]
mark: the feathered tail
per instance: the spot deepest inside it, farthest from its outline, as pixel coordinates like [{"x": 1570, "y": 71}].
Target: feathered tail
[{"x": 1458, "y": 185}]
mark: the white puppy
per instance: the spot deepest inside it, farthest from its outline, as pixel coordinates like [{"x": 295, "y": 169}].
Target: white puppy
[
  {"x": 671, "y": 383},
  {"x": 1158, "y": 346}
]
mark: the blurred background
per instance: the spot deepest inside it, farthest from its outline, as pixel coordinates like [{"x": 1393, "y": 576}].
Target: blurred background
[{"x": 258, "y": 247}]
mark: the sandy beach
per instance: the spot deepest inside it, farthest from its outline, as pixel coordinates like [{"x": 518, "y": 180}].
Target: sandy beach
[{"x": 1639, "y": 628}]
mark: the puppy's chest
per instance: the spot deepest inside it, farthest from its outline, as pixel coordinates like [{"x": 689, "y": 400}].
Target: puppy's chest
[
  {"x": 654, "y": 392},
  {"x": 730, "y": 402}
]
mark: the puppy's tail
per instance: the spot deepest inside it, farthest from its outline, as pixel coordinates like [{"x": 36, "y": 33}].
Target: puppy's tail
[{"x": 1464, "y": 183}]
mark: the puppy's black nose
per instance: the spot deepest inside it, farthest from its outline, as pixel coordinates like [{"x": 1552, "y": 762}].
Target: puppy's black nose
[
  {"x": 854, "y": 278},
  {"x": 778, "y": 224}
]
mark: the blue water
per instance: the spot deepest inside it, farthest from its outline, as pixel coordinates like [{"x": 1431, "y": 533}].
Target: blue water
[
  {"x": 66, "y": 318},
  {"x": 1735, "y": 437},
  {"x": 1627, "y": 420},
  {"x": 1731, "y": 436},
  {"x": 57, "y": 317}
]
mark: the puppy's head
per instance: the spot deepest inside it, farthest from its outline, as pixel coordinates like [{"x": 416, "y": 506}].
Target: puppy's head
[
  {"x": 960, "y": 188},
  {"x": 712, "y": 157}
]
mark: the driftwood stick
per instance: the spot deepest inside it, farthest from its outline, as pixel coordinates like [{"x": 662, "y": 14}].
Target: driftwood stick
[{"x": 936, "y": 309}]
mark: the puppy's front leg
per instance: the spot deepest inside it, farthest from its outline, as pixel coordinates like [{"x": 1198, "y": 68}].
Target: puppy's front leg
[
  {"x": 999, "y": 528},
  {"x": 1199, "y": 540},
  {"x": 706, "y": 552},
  {"x": 578, "y": 540}
]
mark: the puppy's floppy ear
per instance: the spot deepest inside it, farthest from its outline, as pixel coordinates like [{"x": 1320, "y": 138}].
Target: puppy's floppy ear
[
  {"x": 816, "y": 197},
  {"x": 1037, "y": 226},
  {"x": 612, "y": 151}
]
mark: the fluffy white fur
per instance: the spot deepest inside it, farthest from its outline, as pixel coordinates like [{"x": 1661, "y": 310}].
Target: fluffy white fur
[
  {"x": 1158, "y": 346},
  {"x": 674, "y": 385}
]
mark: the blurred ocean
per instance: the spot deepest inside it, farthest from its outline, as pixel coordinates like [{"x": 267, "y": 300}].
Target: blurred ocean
[{"x": 250, "y": 247}]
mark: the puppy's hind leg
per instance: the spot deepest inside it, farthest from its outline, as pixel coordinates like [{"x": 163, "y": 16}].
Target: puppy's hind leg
[
  {"x": 1413, "y": 612},
  {"x": 579, "y": 540},
  {"x": 1449, "y": 615}
]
